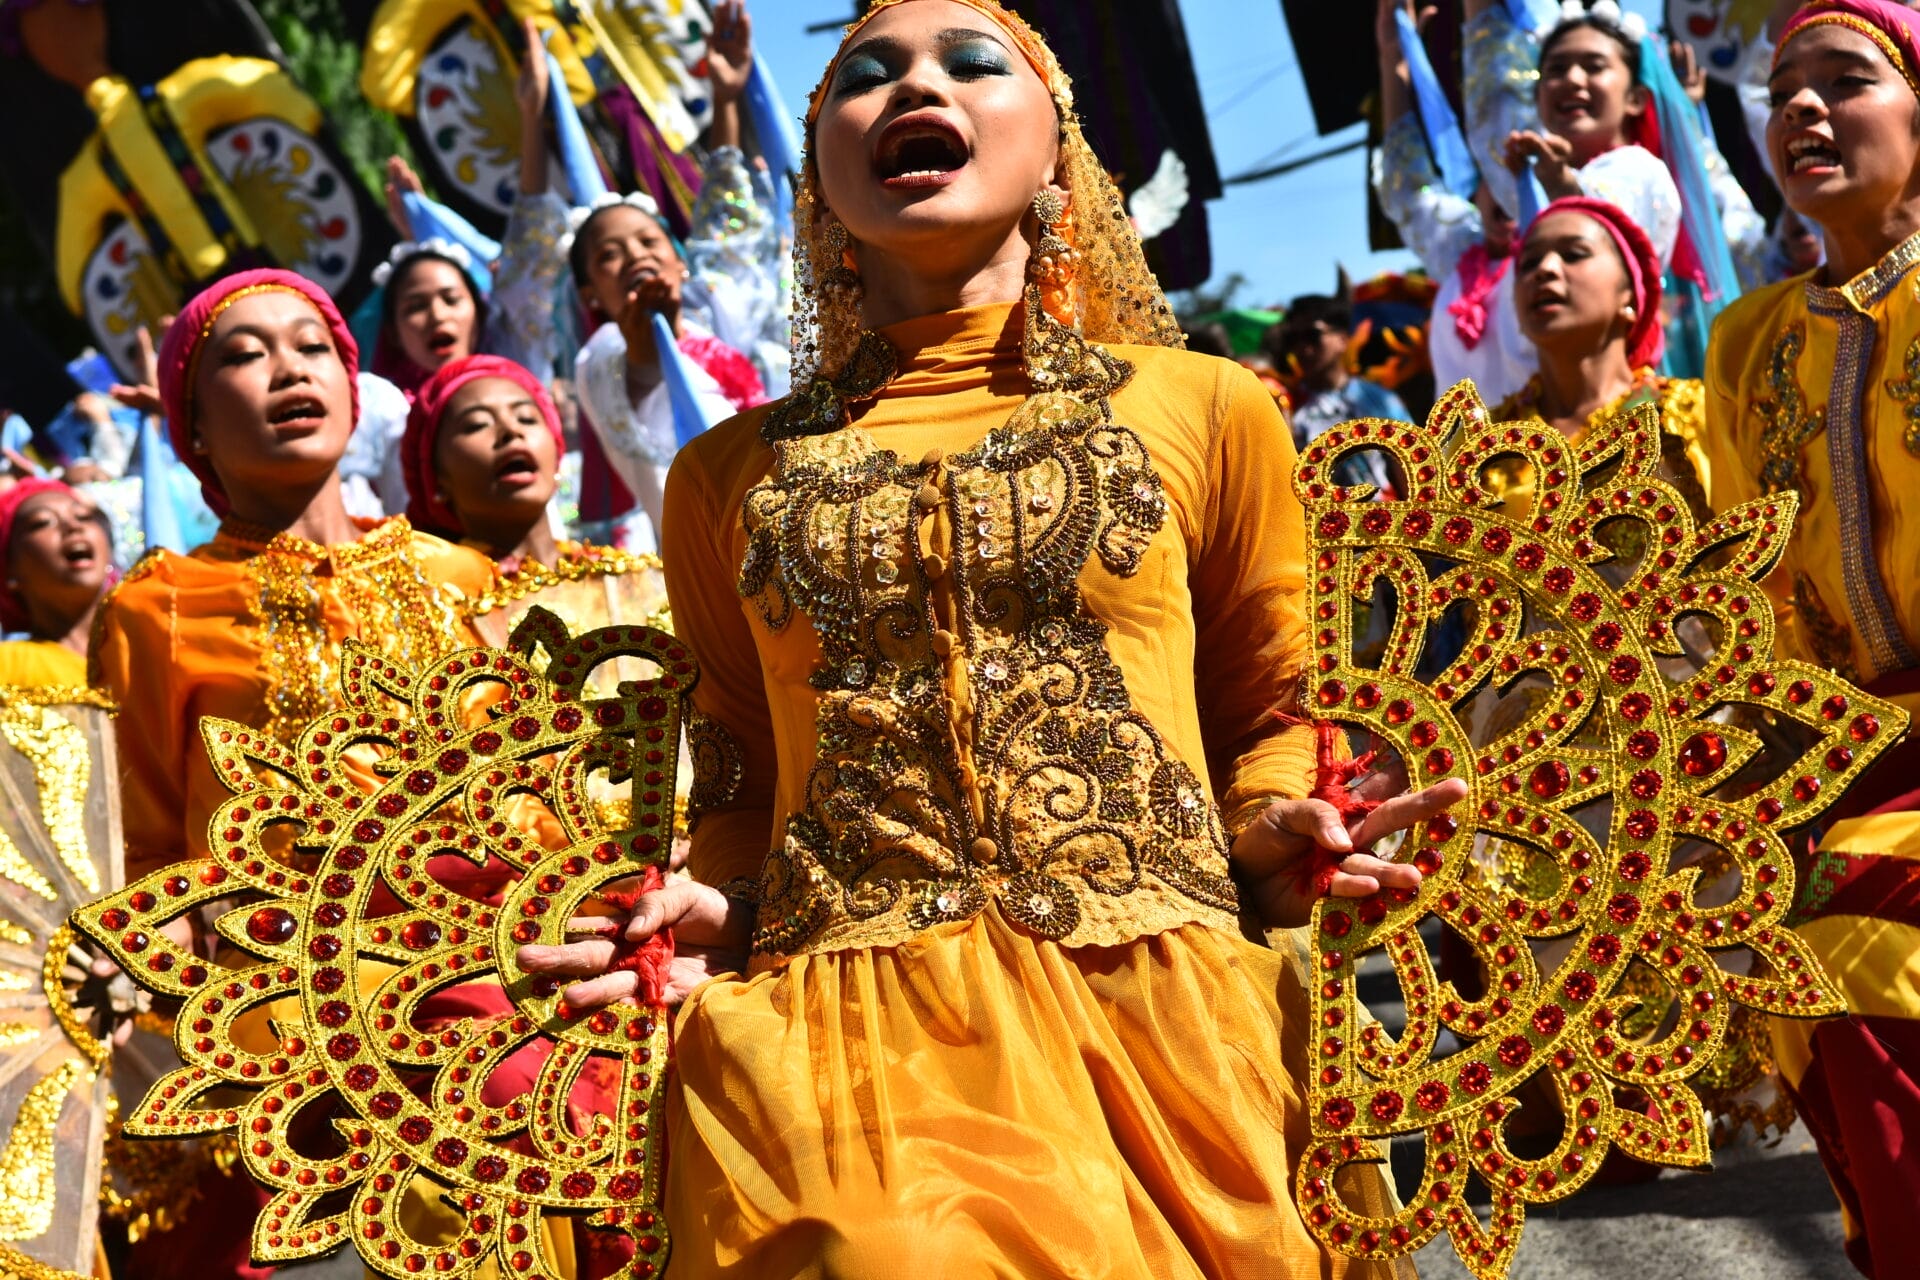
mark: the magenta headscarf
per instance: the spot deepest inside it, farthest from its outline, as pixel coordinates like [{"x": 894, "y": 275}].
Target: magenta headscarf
[
  {"x": 1646, "y": 341},
  {"x": 424, "y": 507},
  {"x": 180, "y": 354},
  {"x": 1893, "y": 27},
  {"x": 13, "y": 610}
]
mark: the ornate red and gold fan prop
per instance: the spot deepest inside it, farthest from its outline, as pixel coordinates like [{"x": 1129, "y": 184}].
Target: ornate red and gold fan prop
[
  {"x": 1650, "y": 811},
  {"x": 409, "y": 1059}
]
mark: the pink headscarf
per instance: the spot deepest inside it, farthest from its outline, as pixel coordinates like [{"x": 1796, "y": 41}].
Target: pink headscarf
[
  {"x": 1893, "y": 27},
  {"x": 1645, "y": 341},
  {"x": 13, "y": 610},
  {"x": 424, "y": 507},
  {"x": 180, "y": 353}
]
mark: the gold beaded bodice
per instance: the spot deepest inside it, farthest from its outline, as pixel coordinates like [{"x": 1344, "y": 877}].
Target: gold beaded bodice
[{"x": 976, "y": 741}]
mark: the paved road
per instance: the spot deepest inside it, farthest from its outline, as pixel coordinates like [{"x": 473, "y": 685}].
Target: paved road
[{"x": 1760, "y": 1215}]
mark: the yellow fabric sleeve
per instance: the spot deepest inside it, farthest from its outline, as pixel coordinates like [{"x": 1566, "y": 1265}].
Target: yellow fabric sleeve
[
  {"x": 732, "y": 838},
  {"x": 1249, "y": 603}
]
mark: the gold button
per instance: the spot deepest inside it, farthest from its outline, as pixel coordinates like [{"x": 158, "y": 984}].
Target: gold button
[
  {"x": 985, "y": 850},
  {"x": 936, "y": 566},
  {"x": 943, "y": 642},
  {"x": 934, "y": 458},
  {"x": 928, "y": 498}
]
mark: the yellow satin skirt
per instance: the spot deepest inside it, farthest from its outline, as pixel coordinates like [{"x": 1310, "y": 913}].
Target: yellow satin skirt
[{"x": 978, "y": 1102}]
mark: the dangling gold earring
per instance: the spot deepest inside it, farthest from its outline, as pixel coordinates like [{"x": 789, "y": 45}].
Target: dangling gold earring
[
  {"x": 844, "y": 276},
  {"x": 1055, "y": 262}
]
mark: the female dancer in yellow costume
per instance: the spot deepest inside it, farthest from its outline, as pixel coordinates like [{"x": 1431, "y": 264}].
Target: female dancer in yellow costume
[
  {"x": 993, "y": 616},
  {"x": 257, "y": 376}
]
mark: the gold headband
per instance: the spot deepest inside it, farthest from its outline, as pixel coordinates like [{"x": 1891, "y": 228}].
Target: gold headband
[
  {"x": 1024, "y": 37},
  {"x": 1853, "y": 22}
]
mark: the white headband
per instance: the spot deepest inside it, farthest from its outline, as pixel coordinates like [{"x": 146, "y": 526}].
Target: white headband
[
  {"x": 577, "y": 217},
  {"x": 407, "y": 250}
]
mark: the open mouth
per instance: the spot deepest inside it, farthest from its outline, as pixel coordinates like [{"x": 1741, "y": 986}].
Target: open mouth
[
  {"x": 516, "y": 468},
  {"x": 78, "y": 555},
  {"x": 302, "y": 411},
  {"x": 643, "y": 273},
  {"x": 920, "y": 151},
  {"x": 1574, "y": 109},
  {"x": 443, "y": 343},
  {"x": 1547, "y": 302},
  {"x": 1810, "y": 153}
]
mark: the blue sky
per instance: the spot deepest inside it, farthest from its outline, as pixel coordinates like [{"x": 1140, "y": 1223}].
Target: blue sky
[{"x": 1285, "y": 235}]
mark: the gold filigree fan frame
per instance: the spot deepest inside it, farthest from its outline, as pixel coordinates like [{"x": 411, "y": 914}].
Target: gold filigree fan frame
[
  {"x": 1551, "y": 601},
  {"x": 346, "y": 936}
]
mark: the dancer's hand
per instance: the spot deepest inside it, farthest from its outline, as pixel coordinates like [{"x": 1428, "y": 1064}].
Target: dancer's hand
[
  {"x": 530, "y": 88},
  {"x": 730, "y": 51},
  {"x": 1552, "y": 157},
  {"x": 711, "y": 934},
  {"x": 1269, "y": 854}
]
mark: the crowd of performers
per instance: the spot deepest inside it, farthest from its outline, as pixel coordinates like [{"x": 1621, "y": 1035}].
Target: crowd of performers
[{"x": 995, "y": 1062}]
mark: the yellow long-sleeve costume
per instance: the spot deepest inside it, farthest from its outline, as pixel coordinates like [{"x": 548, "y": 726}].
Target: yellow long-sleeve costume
[
  {"x": 983, "y": 690},
  {"x": 1817, "y": 388}
]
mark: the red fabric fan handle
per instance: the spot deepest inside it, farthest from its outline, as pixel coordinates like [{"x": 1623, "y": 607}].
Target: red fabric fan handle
[
  {"x": 1333, "y": 776},
  {"x": 650, "y": 959}
]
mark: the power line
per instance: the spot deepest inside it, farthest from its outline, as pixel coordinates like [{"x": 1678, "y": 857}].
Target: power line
[{"x": 1275, "y": 171}]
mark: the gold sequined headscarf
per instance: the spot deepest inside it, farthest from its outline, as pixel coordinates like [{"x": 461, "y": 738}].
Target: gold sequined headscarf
[{"x": 1118, "y": 300}]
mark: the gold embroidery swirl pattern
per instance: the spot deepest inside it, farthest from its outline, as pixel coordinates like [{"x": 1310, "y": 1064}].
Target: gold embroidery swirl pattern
[
  {"x": 717, "y": 765},
  {"x": 26, "y": 1164},
  {"x": 62, "y": 768},
  {"x": 1787, "y": 423},
  {"x": 396, "y": 608},
  {"x": 1906, "y": 390},
  {"x": 976, "y": 741}
]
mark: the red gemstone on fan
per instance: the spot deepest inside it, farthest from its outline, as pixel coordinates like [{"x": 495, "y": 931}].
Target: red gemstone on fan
[
  {"x": 1476, "y": 1077},
  {"x": 361, "y": 1076},
  {"x": 567, "y": 719},
  {"x": 450, "y": 1151},
  {"x": 1367, "y": 697},
  {"x": 1550, "y": 778},
  {"x": 415, "y": 1129},
  {"x": 1645, "y": 785},
  {"x": 1441, "y": 827},
  {"x": 269, "y": 926},
  {"x": 1703, "y": 755},
  {"x": 343, "y": 1046},
  {"x": 1457, "y": 530},
  {"x": 578, "y": 1185},
  {"x": 486, "y": 744},
  {"x": 1642, "y": 824},
  {"x": 337, "y": 886},
  {"x": 1424, "y": 734},
  {"x": 1799, "y": 692},
  {"x": 533, "y": 1181},
  {"x": 1387, "y": 1106},
  {"x": 1580, "y": 986},
  {"x": 1607, "y": 636},
  {"x": 1559, "y": 580},
  {"x": 1835, "y": 707},
  {"x": 1418, "y": 524},
  {"x": 1495, "y": 541},
  {"x": 1839, "y": 758},
  {"x": 1585, "y": 606},
  {"x": 1530, "y": 557},
  {"x": 1399, "y": 711},
  {"x": 1332, "y": 693},
  {"x": 1635, "y": 866},
  {"x": 1333, "y": 524},
  {"x": 524, "y": 728},
  {"x": 1432, "y": 1095},
  {"x": 489, "y": 1168},
  {"x": 624, "y": 1186},
  {"x": 1439, "y": 761},
  {"x": 1337, "y": 1114},
  {"x": 334, "y": 1013},
  {"x": 1805, "y": 788},
  {"x": 1427, "y": 862},
  {"x": 1548, "y": 1019},
  {"x": 1336, "y": 924},
  {"x": 329, "y": 980},
  {"x": 419, "y": 935},
  {"x": 324, "y": 947},
  {"x": 1643, "y": 745},
  {"x": 1515, "y": 1052},
  {"x": 1623, "y": 909},
  {"x": 1636, "y": 706},
  {"x": 1624, "y": 669},
  {"x": 1603, "y": 949}
]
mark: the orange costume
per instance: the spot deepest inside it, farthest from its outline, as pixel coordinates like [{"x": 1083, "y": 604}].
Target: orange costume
[
  {"x": 980, "y": 687},
  {"x": 250, "y": 628},
  {"x": 993, "y": 615}
]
